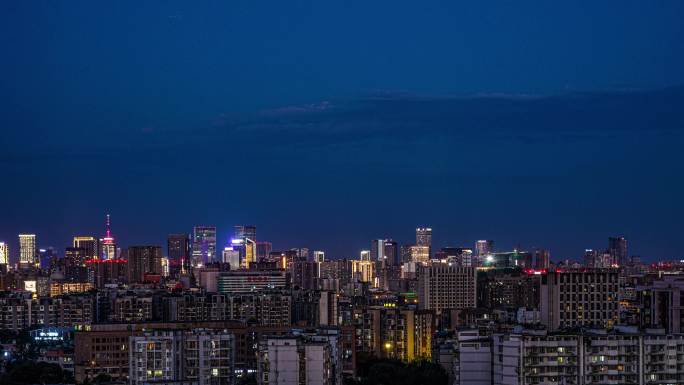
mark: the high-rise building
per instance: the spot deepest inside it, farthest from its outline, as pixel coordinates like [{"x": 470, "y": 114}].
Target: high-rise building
[
  {"x": 541, "y": 259},
  {"x": 297, "y": 360},
  {"x": 363, "y": 271},
  {"x": 442, "y": 287},
  {"x": 319, "y": 256},
  {"x": 617, "y": 247},
  {"x": 424, "y": 237},
  {"x": 27, "y": 249},
  {"x": 4, "y": 253},
  {"x": 590, "y": 257},
  {"x": 365, "y": 255},
  {"x": 244, "y": 240},
  {"x": 108, "y": 243},
  {"x": 246, "y": 231},
  {"x": 47, "y": 258},
  {"x": 385, "y": 252},
  {"x": 391, "y": 253},
  {"x": 88, "y": 244},
  {"x": 199, "y": 356},
  {"x": 75, "y": 268},
  {"x": 484, "y": 247},
  {"x": 263, "y": 250},
  {"x": 377, "y": 249},
  {"x": 203, "y": 245},
  {"x": 661, "y": 304},
  {"x": 231, "y": 256},
  {"x": 144, "y": 261},
  {"x": 419, "y": 254},
  {"x": 178, "y": 246},
  {"x": 576, "y": 298}
]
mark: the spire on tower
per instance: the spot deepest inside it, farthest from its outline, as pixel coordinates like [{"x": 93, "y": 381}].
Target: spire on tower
[
  {"x": 108, "y": 224},
  {"x": 108, "y": 239}
]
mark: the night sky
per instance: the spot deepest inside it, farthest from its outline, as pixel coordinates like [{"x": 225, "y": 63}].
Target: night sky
[{"x": 329, "y": 123}]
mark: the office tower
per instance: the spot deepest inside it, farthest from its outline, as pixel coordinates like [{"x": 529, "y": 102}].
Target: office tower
[
  {"x": 541, "y": 259},
  {"x": 178, "y": 246},
  {"x": 203, "y": 245},
  {"x": 231, "y": 256},
  {"x": 108, "y": 243},
  {"x": 27, "y": 249},
  {"x": 318, "y": 256},
  {"x": 263, "y": 250},
  {"x": 377, "y": 249},
  {"x": 89, "y": 245},
  {"x": 484, "y": 247},
  {"x": 4, "y": 253},
  {"x": 424, "y": 238},
  {"x": 419, "y": 254},
  {"x": 385, "y": 252},
  {"x": 576, "y": 298},
  {"x": 245, "y": 231},
  {"x": 590, "y": 257},
  {"x": 244, "y": 240},
  {"x": 363, "y": 271},
  {"x": 197, "y": 356},
  {"x": 617, "y": 247},
  {"x": 75, "y": 268},
  {"x": 442, "y": 287},
  {"x": 144, "y": 261},
  {"x": 47, "y": 258},
  {"x": 365, "y": 255},
  {"x": 391, "y": 253}
]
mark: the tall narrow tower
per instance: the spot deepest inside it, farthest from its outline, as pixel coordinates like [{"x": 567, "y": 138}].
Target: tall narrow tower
[{"x": 108, "y": 243}]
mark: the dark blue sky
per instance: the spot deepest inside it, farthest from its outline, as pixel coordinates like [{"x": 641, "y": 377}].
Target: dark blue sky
[{"x": 327, "y": 124}]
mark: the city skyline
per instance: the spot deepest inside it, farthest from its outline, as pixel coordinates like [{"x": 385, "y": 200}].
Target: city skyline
[
  {"x": 341, "y": 192},
  {"x": 213, "y": 246}
]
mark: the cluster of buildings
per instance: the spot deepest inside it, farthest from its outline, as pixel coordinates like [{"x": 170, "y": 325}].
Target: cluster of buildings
[{"x": 197, "y": 313}]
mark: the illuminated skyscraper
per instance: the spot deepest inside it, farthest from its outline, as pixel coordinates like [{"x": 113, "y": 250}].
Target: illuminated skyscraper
[
  {"x": 365, "y": 255},
  {"x": 319, "y": 256},
  {"x": 419, "y": 254},
  {"x": 27, "y": 249},
  {"x": 424, "y": 237},
  {"x": 108, "y": 243},
  {"x": 245, "y": 231},
  {"x": 377, "y": 251},
  {"x": 244, "y": 239},
  {"x": 4, "y": 253},
  {"x": 88, "y": 244},
  {"x": 484, "y": 247},
  {"x": 203, "y": 245},
  {"x": 617, "y": 247},
  {"x": 231, "y": 256}
]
